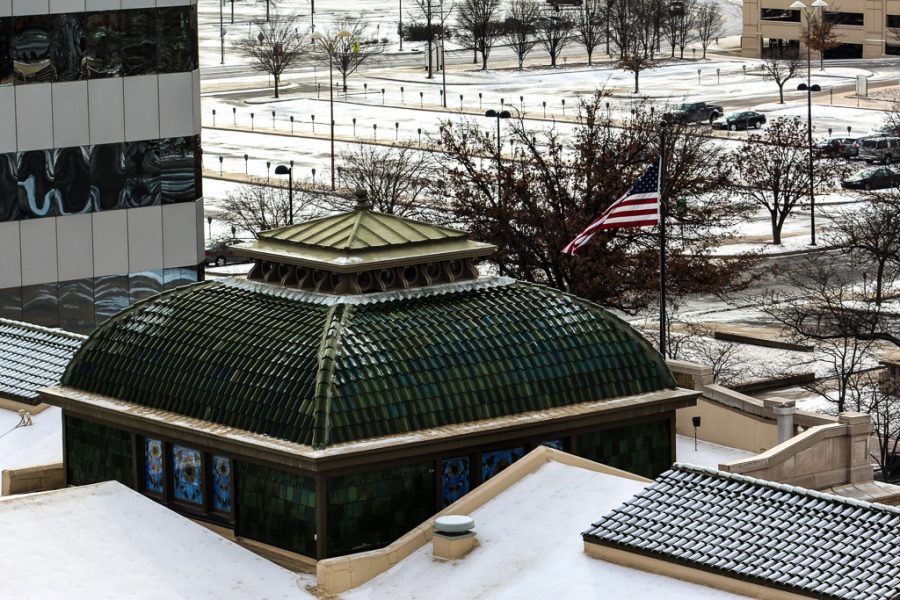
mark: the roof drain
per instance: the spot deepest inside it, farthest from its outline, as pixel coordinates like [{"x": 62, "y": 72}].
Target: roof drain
[{"x": 453, "y": 537}]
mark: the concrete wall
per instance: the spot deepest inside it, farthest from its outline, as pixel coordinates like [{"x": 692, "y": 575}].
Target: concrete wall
[
  {"x": 32, "y": 479},
  {"x": 821, "y": 457}
]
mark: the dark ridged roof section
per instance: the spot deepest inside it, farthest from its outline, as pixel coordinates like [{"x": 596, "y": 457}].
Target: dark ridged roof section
[
  {"x": 32, "y": 357},
  {"x": 772, "y": 534},
  {"x": 425, "y": 362},
  {"x": 209, "y": 351},
  {"x": 285, "y": 364}
]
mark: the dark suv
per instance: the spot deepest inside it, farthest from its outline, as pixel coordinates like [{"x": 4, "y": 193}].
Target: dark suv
[
  {"x": 220, "y": 253},
  {"x": 838, "y": 148}
]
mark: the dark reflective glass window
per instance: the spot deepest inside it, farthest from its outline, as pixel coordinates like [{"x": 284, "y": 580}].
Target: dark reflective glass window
[
  {"x": 176, "y": 33},
  {"x": 103, "y": 48},
  {"x": 76, "y": 305},
  {"x": 11, "y": 303},
  {"x": 144, "y": 284},
  {"x": 68, "y": 45},
  {"x": 110, "y": 296},
  {"x": 40, "y": 304},
  {"x": 36, "y": 193},
  {"x": 179, "y": 276},
  {"x": 845, "y": 18},
  {"x": 779, "y": 14},
  {"x": 31, "y": 49},
  {"x": 142, "y": 174},
  {"x": 9, "y": 199},
  {"x": 178, "y": 158},
  {"x": 108, "y": 175},
  {"x": 893, "y": 21},
  {"x": 138, "y": 41},
  {"x": 72, "y": 179},
  {"x": 6, "y": 60},
  {"x": 892, "y": 50}
]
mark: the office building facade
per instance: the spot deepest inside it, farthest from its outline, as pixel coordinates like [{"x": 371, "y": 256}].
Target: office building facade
[{"x": 100, "y": 163}]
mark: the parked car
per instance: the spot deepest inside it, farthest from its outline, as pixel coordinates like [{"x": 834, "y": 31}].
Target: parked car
[
  {"x": 873, "y": 178},
  {"x": 879, "y": 149},
  {"x": 220, "y": 253},
  {"x": 748, "y": 119},
  {"x": 886, "y": 129},
  {"x": 838, "y": 148},
  {"x": 693, "y": 112}
]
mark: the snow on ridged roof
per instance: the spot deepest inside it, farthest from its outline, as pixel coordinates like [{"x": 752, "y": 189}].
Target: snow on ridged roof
[
  {"x": 772, "y": 534},
  {"x": 32, "y": 357}
]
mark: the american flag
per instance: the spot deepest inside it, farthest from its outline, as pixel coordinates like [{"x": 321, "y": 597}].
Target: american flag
[{"x": 639, "y": 207}]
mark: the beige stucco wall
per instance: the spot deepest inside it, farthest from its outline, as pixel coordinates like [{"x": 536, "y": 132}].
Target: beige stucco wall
[
  {"x": 872, "y": 35},
  {"x": 32, "y": 479},
  {"x": 727, "y": 426}
]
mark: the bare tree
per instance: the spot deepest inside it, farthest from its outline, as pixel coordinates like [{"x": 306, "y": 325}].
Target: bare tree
[
  {"x": 435, "y": 14},
  {"x": 521, "y": 28},
  {"x": 771, "y": 170},
  {"x": 590, "y": 26},
  {"x": 874, "y": 232},
  {"x": 827, "y": 309},
  {"x": 819, "y": 35},
  {"x": 710, "y": 24},
  {"x": 277, "y": 47},
  {"x": 554, "y": 32},
  {"x": 478, "y": 25},
  {"x": 397, "y": 179},
  {"x": 638, "y": 46},
  {"x": 881, "y": 401},
  {"x": 780, "y": 65},
  {"x": 260, "y": 206},
  {"x": 680, "y": 27},
  {"x": 350, "y": 53}
]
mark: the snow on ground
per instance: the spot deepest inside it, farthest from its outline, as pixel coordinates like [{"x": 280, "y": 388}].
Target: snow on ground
[
  {"x": 530, "y": 548},
  {"x": 107, "y": 541},
  {"x": 37, "y": 444},
  {"x": 707, "y": 454}
]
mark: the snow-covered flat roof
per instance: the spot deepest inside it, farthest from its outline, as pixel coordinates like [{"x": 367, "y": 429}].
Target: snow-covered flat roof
[
  {"x": 530, "y": 547},
  {"x": 107, "y": 541},
  {"x": 37, "y": 444},
  {"x": 707, "y": 454}
]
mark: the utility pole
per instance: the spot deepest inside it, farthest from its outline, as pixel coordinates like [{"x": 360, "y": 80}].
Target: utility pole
[
  {"x": 430, "y": 37},
  {"x": 400, "y": 26},
  {"x": 222, "y": 32},
  {"x": 443, "y": 58}
]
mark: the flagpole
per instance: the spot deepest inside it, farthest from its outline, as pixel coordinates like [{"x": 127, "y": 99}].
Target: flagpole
[{"x": 662, "y": 243}]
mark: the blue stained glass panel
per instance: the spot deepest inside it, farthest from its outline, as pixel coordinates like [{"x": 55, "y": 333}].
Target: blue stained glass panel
[
  {"x": 494, "y": 462},
  {"x": 221, "y": 473},
  {"x": 154, "y": 466},
  {"x": 455, "y": 479},
  {"x": 187, "y": 465},
  {"x": 555, "y": 444}
]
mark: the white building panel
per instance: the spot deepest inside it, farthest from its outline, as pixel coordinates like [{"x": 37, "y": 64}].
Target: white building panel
[
  {"x": 198, "y": 123},
  {"x": 127, "y": 4},
  {"x": 106, "y": 110},
  {"x": 180, "y": 234},
  {"x": 74, "y": 247},
  {"x": 141, "y": 107},
  {"x": 176, "y": 104},
  {"x": 5, "y": 8},
  {"x": 7, "y": 118},
  {"x": 102, "y": 4},
  {"x": 70, "y": 114},
  {"x": 66, "y": 6},
  {"x": 110, "y": 243},
  {"x": 145, "y": 239},
  {"x": 10, "y": 255},
  {"x": 30, "y": 7},
  {"x": 38, "y": 250},
  {"x": 34, "y": 117}
]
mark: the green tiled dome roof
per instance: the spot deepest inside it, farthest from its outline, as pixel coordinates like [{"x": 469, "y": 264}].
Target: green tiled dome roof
[{"x": 320, "y": 370}]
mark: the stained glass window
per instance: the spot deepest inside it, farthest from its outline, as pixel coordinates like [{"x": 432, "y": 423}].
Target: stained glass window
[
  {"x": 221, "y": 475},
  {"x": 187, "y": 468},
  {"x": 494, "y": 462},
  {"x": 455, "y": 479},
  {"x": 555, "y": 444},
  {"x": 154, "y": 467}
]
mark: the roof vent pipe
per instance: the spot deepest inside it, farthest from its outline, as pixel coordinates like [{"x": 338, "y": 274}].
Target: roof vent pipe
[
  {"x": 453, "y": 536},
  {"x": 784, "y": 417}
]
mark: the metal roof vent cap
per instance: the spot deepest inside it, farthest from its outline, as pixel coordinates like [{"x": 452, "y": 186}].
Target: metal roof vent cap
[
  {"x": 453, "y": 536},
  {"x": 362, "y": 199}
]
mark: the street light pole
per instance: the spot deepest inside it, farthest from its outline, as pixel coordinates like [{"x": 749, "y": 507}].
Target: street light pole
[
  {"x": 810, "y": 88},
  {"x": 222, "y": 33},
  {"x": 329, "y": 46},
  {"x": 400, "y": 25},
  {"x": 501, "y": 114},
  {"x": 289, "y": 171}
]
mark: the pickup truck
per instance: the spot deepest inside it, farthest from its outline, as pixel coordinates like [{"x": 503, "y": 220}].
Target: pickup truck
[{"x": 693, "y": 112}]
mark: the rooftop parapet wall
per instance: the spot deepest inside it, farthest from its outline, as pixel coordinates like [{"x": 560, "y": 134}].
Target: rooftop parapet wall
[{"x": 821, "y": 457}]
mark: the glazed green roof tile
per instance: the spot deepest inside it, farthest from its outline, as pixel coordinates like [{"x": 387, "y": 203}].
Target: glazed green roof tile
[
  {"x": 32, "y": 357},
  {"x": 319, "y": 370}
]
